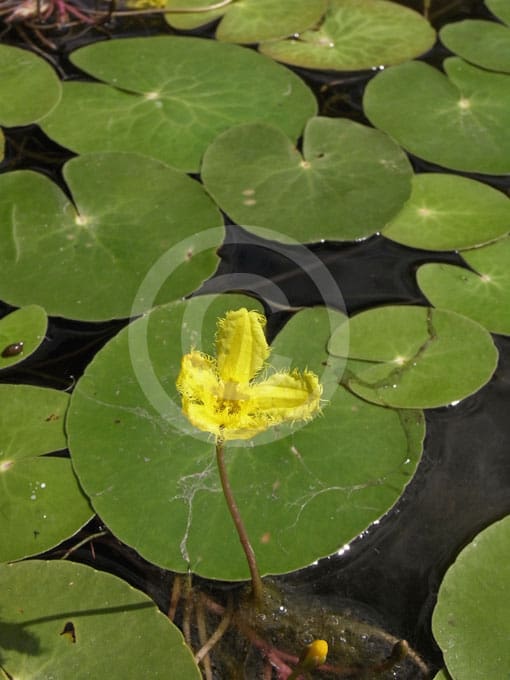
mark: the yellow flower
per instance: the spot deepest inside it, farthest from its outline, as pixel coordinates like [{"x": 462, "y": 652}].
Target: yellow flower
[{"x": 220, "y": 395}]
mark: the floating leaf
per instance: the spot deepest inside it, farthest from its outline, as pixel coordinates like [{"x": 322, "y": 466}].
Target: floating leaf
[
  {"x": 348, "y": 182},
  {"x": 65, "y": 620},
  {"x": 500, "y": 8},
  {"x": 252, "y": 21},
  {"x": 482, "y": 295},
  {"x": 29, "y": 87},
  {"x": 442, "y": 675},
  {"x": 484, "y": 43},
  {"x": 169, "y": 96},
  {"x": 130, "y": 212},
  {"x": 357, "y": 35},
  {"x": 414, "y": 357},
  {"x": 460, "y": 120},
  {"x": 448, "y": 212},
  {"x": 303, "y": 492},
  {"x": 21, "y": 333},
  {"x": 42, "y": 503},
  {"x": 470, "y": 621}
]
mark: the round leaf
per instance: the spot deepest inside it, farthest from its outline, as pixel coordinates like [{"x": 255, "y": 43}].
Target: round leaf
[
  {"x": 482, "y": 295},
  {"x": 21, "y": 333},
  {"x": 484, "y": 43},
  {"x": 302, "y": 491},
  {"x": 29, "y": 87},
  {"x": 168, "y": 97},
  {"x": 253, "y": 21},
  {"x": 357, "y": 35},
  {"x": 460, "y": 120},
  {"x": 415, "y": 357},
  {"x": 65, "y": 620},
  {"x": 447, "y": 212},
  {"x": 470, "y": 621},
  {"x": 42, "y": 503},
  {"x": 348, "y": 182},
  {"x": 130, "y": 212}
]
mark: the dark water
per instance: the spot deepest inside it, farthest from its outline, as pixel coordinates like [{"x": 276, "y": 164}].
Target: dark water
[{"x": 462, "y": 482}]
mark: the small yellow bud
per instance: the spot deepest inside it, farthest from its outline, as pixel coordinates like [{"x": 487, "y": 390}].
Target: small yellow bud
[{"x": 313, "y": 655}]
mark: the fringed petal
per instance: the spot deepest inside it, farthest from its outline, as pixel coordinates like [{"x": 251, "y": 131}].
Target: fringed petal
[
  {"x": 241, "y": 346},
  {"x": 198, "y": 377},
  {"x": 288, "y": 396}
]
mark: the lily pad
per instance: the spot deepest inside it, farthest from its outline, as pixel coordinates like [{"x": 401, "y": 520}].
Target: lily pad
[
  {"x": 303, "y": 492},
  {"x": 484, "y": 43},
  {"x": 448, "y": 212},
  {"x": 65, "y": 620},
  {"x": 252, "y": 21},
  {"x": 460, "y": 120},
  {"x": 21, "y": 333},
  {"x": 500, "y": 8},
  {"x": 42, "y": 503},
  {"x": 127, "y": 212},
  {"x": 415, "y": 357},
  {"x": 482, "y": 295},
  {"x": 348, "y": 182},
  {"x": 357, "y": 35},
  {"x": 29, "y": 87},
  {"x": 169, "y": 96},
  {"x": 470, "y": 621}
]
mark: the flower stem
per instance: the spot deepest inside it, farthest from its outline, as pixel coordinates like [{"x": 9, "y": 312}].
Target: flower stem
[{"x": 256, "y": 581}]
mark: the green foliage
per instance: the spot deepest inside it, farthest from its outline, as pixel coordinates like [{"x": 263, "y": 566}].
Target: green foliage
[
  {"x": 348, "y": 181},
  {"x": 480, "y": 293},
  {"x": 470, "y": 621},
  {"x": 252, "y": 21},
  {"x": 357, "y": 35},
  {"x": 21, "y": 333},
  {"x": 460, "y": 119},
  {"x": 29, "y": 87},
  {"x": 87, "y": 260},
  {"x": 484, "y": 43},
  {"x": 143, "y": 464},
  {"x": 64, "y": 620},
  {"x": 449, "y": 212},
  {"x": 168, "y": 97},
  {"x": 414, "y": 357},
  {"x": 42, "y": 503}
]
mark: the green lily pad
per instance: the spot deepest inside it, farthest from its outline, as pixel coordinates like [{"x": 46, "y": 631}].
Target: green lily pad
[
  {"x": 29, "y": 87},
  {"x": 303, "y": 492},
  {"x": 442, "y": 675},
  {"x": 448, "y": 212},
  {"x": 500, "y": 8},
  {"x": 21, "y": 333},
  {"x": 484, "y": 43},
  {"x": 252, "y": 21},
  {"x": 460, "y": 120},
  {"x": 415, "y": 357},
  {"x": 348, "y": 182},
  {"x": 482, "y": 295},
  {"x": 470, "y": 621},
  {"x": 129, "y": 211},
  {"x": 357, "y": 35},
  {"x": 169, "y": 96},
  {"x": 64, "y": 620},
  {"x": 42, "y": 503}
]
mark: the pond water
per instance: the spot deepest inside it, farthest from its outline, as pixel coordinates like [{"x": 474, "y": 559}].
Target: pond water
[{"x": 391, "y": 574}]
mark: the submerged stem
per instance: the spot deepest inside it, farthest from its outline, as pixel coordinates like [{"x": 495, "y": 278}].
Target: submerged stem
[{"x": 256, "y": 581}]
